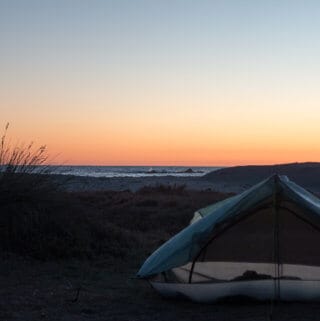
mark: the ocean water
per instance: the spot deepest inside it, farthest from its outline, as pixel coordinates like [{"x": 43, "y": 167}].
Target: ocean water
[{"x": 133, "y": 171}]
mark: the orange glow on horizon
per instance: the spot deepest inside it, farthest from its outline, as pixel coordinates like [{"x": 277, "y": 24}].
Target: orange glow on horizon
[{"x": 147, "y": 142}]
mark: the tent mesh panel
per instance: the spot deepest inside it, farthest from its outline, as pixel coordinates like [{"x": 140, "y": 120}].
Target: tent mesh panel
[
  {"x": 299, "y": 241},
  {"x": 243, "y": 251}
]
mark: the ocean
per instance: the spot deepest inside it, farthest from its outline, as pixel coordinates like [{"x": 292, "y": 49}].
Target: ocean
[{"x": 133, "y": 171}]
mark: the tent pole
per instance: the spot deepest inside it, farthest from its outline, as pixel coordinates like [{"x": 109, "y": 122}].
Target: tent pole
[
  {"x": 275, "y": 254},
  {"x": 276, "y": 241}
]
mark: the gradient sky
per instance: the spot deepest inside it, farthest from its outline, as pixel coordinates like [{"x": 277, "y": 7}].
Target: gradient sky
[{"x": 163, "y": 82}]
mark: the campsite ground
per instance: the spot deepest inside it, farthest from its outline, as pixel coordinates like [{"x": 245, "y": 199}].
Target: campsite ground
[
  {"x": 48, "y": 291},
  {"x": 102, "y": 288}
]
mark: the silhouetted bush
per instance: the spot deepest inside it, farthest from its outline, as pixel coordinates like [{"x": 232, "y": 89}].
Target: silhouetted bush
[
  {"x": 24, "y": 175},
  {"x": 164, "y": 189},
  {"x": 36, "y": 217},
  {"x": 147, "y": 203}
]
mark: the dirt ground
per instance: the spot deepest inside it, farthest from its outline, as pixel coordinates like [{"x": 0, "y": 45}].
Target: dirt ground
[{"x": 74, "y": 290}]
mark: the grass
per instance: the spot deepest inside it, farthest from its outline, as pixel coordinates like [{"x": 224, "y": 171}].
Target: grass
[
  {"x": 124, "y": 226},
  {"x": 164, "y": 189},
  {"x": 24, "y": 173},
  {"x": 36, "y": 217},
  {"x": 139, "y": 222}
]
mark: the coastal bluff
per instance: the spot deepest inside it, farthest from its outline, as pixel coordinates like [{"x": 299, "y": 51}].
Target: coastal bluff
[{"x": 304, "y": 174}]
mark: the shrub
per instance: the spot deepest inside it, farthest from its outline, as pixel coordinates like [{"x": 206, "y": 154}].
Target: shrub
[
  {"x": 170, "y": 189},
  {"x": 23, "y": 173},
  {"x": 35, "y": 216}
]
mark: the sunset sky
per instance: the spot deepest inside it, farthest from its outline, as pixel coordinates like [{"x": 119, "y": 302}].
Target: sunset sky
[{"x": 163, "y": 82}]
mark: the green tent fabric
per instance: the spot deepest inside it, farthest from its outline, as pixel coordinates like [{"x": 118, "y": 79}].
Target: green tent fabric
[{"x": 185, "y": 246}]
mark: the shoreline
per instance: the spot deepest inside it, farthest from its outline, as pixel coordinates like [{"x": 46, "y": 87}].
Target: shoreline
[
  {"x": 72, "y": 183},
  {"x": 229, "y": 180}
]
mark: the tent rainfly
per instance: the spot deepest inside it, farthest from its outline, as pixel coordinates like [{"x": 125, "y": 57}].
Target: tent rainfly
[{"x": 263, "y": 244}]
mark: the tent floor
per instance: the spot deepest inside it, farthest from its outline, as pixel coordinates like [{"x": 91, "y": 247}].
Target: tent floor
[{"x": 290, "y": 290}]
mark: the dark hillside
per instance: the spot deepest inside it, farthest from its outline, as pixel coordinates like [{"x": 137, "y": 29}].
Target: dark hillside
[{"x": 304, "y": 174}]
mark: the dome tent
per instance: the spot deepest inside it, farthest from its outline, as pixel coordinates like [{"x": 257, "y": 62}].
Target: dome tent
[{"x": 262, "y": 243}]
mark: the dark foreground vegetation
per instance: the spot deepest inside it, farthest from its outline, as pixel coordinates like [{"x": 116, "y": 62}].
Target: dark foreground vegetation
[
  {"x": 93, "y": 225},
  {"x": 76, "y": 254}
]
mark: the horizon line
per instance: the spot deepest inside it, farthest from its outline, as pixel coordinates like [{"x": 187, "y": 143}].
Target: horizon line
[{"x": 189, "y": 165}]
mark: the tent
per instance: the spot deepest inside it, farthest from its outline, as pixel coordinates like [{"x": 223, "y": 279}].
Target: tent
[{"x": 263, "y": 243}]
